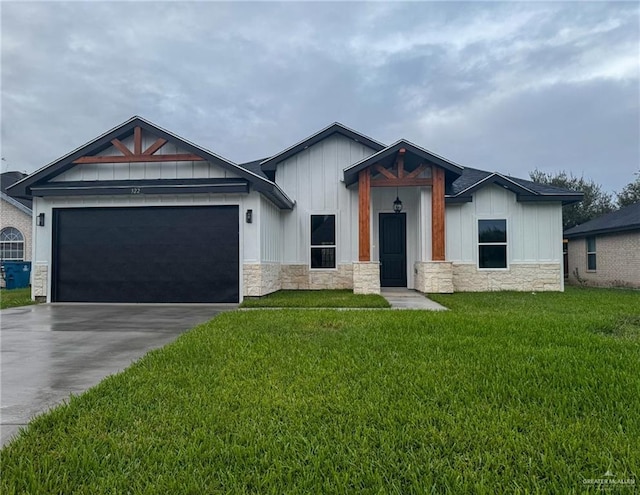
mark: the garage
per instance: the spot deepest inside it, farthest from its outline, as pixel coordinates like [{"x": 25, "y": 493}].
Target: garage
[{"x": 146, "y": 254}]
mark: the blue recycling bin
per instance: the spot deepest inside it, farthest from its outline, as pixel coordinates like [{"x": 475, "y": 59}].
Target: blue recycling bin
[{"x": 16, "y": 274}]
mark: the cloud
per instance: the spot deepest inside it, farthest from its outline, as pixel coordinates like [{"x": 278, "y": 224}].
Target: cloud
[{"x": 482, "y": 83}]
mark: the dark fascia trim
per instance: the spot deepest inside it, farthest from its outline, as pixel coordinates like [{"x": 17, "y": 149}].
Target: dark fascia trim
[
  {"x": 458, "y": 199},
  {"x": 523, "y": 194},
  {"x": 141, "y": 187},
  {"x": 23, "y": 187},
  {"x": 613, "y": 230},
  {"x": 270, "y": 164},
  {"x": 351, "y": 173},
  {"x": 566, "y": 199}
]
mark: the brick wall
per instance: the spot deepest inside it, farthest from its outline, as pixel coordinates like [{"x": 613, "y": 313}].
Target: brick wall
[
  {"x": 10, "y": 216},
  {"x": 617, "y": 261}
]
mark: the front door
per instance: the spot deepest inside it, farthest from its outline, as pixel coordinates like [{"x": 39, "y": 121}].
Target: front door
[{"x": 393, "y": 250}]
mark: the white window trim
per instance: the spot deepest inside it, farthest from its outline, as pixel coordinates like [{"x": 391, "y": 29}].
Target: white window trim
[
  {"x": 478, "y": 243},
  {"x": 334, "y": 246},
  {"x": 594, "y": 253},
  {"x": 14, "y": 241}
]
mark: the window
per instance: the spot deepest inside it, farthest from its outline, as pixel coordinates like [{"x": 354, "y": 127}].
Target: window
[
  {"x": 591, "y": 254},
  {"x": 11, "y": 244},
  {"x": 492, "y": 243},
  {"x": 323, "y": 241}
]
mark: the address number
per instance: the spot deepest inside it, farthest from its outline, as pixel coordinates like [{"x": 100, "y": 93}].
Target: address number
[{"x": 135, "y": 190}]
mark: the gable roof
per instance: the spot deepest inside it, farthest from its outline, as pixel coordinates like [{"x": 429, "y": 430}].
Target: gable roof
[
  {"x": 260, "y": 183},
  {"x": 8, "y": 179},
  {"x": 472, "y": 180},
  {"x": 269, "y": 164},
  {"x": 625, "y": 219},
  {"x": 387, "y": 155}
]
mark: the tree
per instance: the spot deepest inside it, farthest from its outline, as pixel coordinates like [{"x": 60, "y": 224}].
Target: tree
[
  {"x": 630, "y": 193},
  {"x": 595, "y": 203}
]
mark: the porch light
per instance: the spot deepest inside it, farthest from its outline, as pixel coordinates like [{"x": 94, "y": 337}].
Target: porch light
[
  {"x": 397, "y": 205},
  {"x": 40, "y": 221}
]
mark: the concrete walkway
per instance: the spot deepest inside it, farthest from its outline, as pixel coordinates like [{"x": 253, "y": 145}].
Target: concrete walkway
[{"x": 403, "y": 298}]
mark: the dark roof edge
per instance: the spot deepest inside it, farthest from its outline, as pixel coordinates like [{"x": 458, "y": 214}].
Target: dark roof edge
[
  {"x": 19, "y": 189},
  {"x": 611, "y": 230},
  {"x": 271, "y": 162},
  {"x": 523, "y": 193},
  {"x": 349, "y": 172},
  {"x": 17, "y": 204}
]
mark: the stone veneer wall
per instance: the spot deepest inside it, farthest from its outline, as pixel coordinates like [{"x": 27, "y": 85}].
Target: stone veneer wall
[
  {"x": 617, "y": 261},
  {"x": 300, "y": 277},
  {"x": 261, "y": 279},
  {"x": 39, "y": 280},
  {"x": 518, "y": 277},
  {"x": 434, "y": 277},
  {"x": 366, "y": 277}
]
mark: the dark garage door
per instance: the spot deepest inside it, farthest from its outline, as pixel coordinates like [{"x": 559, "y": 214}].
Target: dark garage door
[{"x": 147, "y": 254}]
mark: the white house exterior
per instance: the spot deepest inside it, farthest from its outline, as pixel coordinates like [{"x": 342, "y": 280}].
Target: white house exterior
[{"x": 141, "y": 215}]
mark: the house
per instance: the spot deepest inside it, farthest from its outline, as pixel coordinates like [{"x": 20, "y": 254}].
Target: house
[
  {"x": 140, "y": 214},
  {"x": 605, "y": 251},
  {"x": 15, "y": 222}
]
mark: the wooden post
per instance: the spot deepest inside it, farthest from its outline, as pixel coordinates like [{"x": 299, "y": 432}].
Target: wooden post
[
  {"x": 364, "y": 215},
  {"x": 137, "y": 141},
  {"x": 437, "y": 214}
]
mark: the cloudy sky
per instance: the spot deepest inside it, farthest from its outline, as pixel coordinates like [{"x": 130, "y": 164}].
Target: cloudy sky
[{"x": 508, "y": 87}]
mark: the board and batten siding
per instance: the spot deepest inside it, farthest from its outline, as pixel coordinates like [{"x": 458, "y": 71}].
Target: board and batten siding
[
  {"x": 313, "y": 179},
  {"x": 250, "y": 241},
  {"x": 534, "y": 229},
  {"x": 144, "y": 170},
  {"x": 270, "y": 232}
]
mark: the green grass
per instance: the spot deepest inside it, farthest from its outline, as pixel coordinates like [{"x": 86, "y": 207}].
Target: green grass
[
  {"x": 507, "y": 393},
  {"x": 15, "y": 297},
  {"x": 316, "y": 299}
]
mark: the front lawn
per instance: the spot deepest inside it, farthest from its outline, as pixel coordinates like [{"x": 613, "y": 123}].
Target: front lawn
[
  {"x": 316, "y": 299},
  {"x": 15, "y": 297},
  {"x": 507, "y": 393}
]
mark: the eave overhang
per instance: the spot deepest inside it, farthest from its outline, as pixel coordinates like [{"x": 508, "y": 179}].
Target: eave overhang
[
  {"x": 141, "y": 187},
  {"x": 269, "y": 165},
  {"x": 523, "y": 193},
  {"x": 613, "y": 230},
  {"x": 386, "y": 157},
  {"x": 43, "y": 176}
]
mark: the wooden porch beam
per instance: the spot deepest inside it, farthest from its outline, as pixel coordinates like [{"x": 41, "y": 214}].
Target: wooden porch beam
[
  {"x": 384, "y": 171},
  {"x": 186, "y": 157},
  {"x": 406, "y": 182},
  {"x": 400, "y": 162},
  {"x": 155, "y": 146},
  {"x": 137, "y": 141},
  {"x": 364, "y": 215},
  {"x": 417, "y": 171},
  {"x": 437, "y": 215},
  {"x": 121, "y": 147}
]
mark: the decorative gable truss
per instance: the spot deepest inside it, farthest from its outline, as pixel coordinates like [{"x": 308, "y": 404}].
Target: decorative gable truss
[
  {"x": 138, "y": 158},
  {"x": 137, "y": 154}
]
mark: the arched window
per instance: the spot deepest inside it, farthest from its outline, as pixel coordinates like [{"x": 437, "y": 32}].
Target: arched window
[{"x": 11, "y": 244}]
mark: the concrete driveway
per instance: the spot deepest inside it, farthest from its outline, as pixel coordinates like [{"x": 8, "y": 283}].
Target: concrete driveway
[{"x": 50, "y": 351}]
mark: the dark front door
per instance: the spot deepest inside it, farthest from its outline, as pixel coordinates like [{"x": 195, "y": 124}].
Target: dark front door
[
  {"x": 146, "y": 254},
  {"x": 393, "y": 250}
]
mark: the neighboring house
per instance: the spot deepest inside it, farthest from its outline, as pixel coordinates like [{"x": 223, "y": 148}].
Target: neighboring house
[
  {"x": 15, "y": 222},
  {"x": 605, "y": 251},
  {"x": 142, "y": 215}
]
